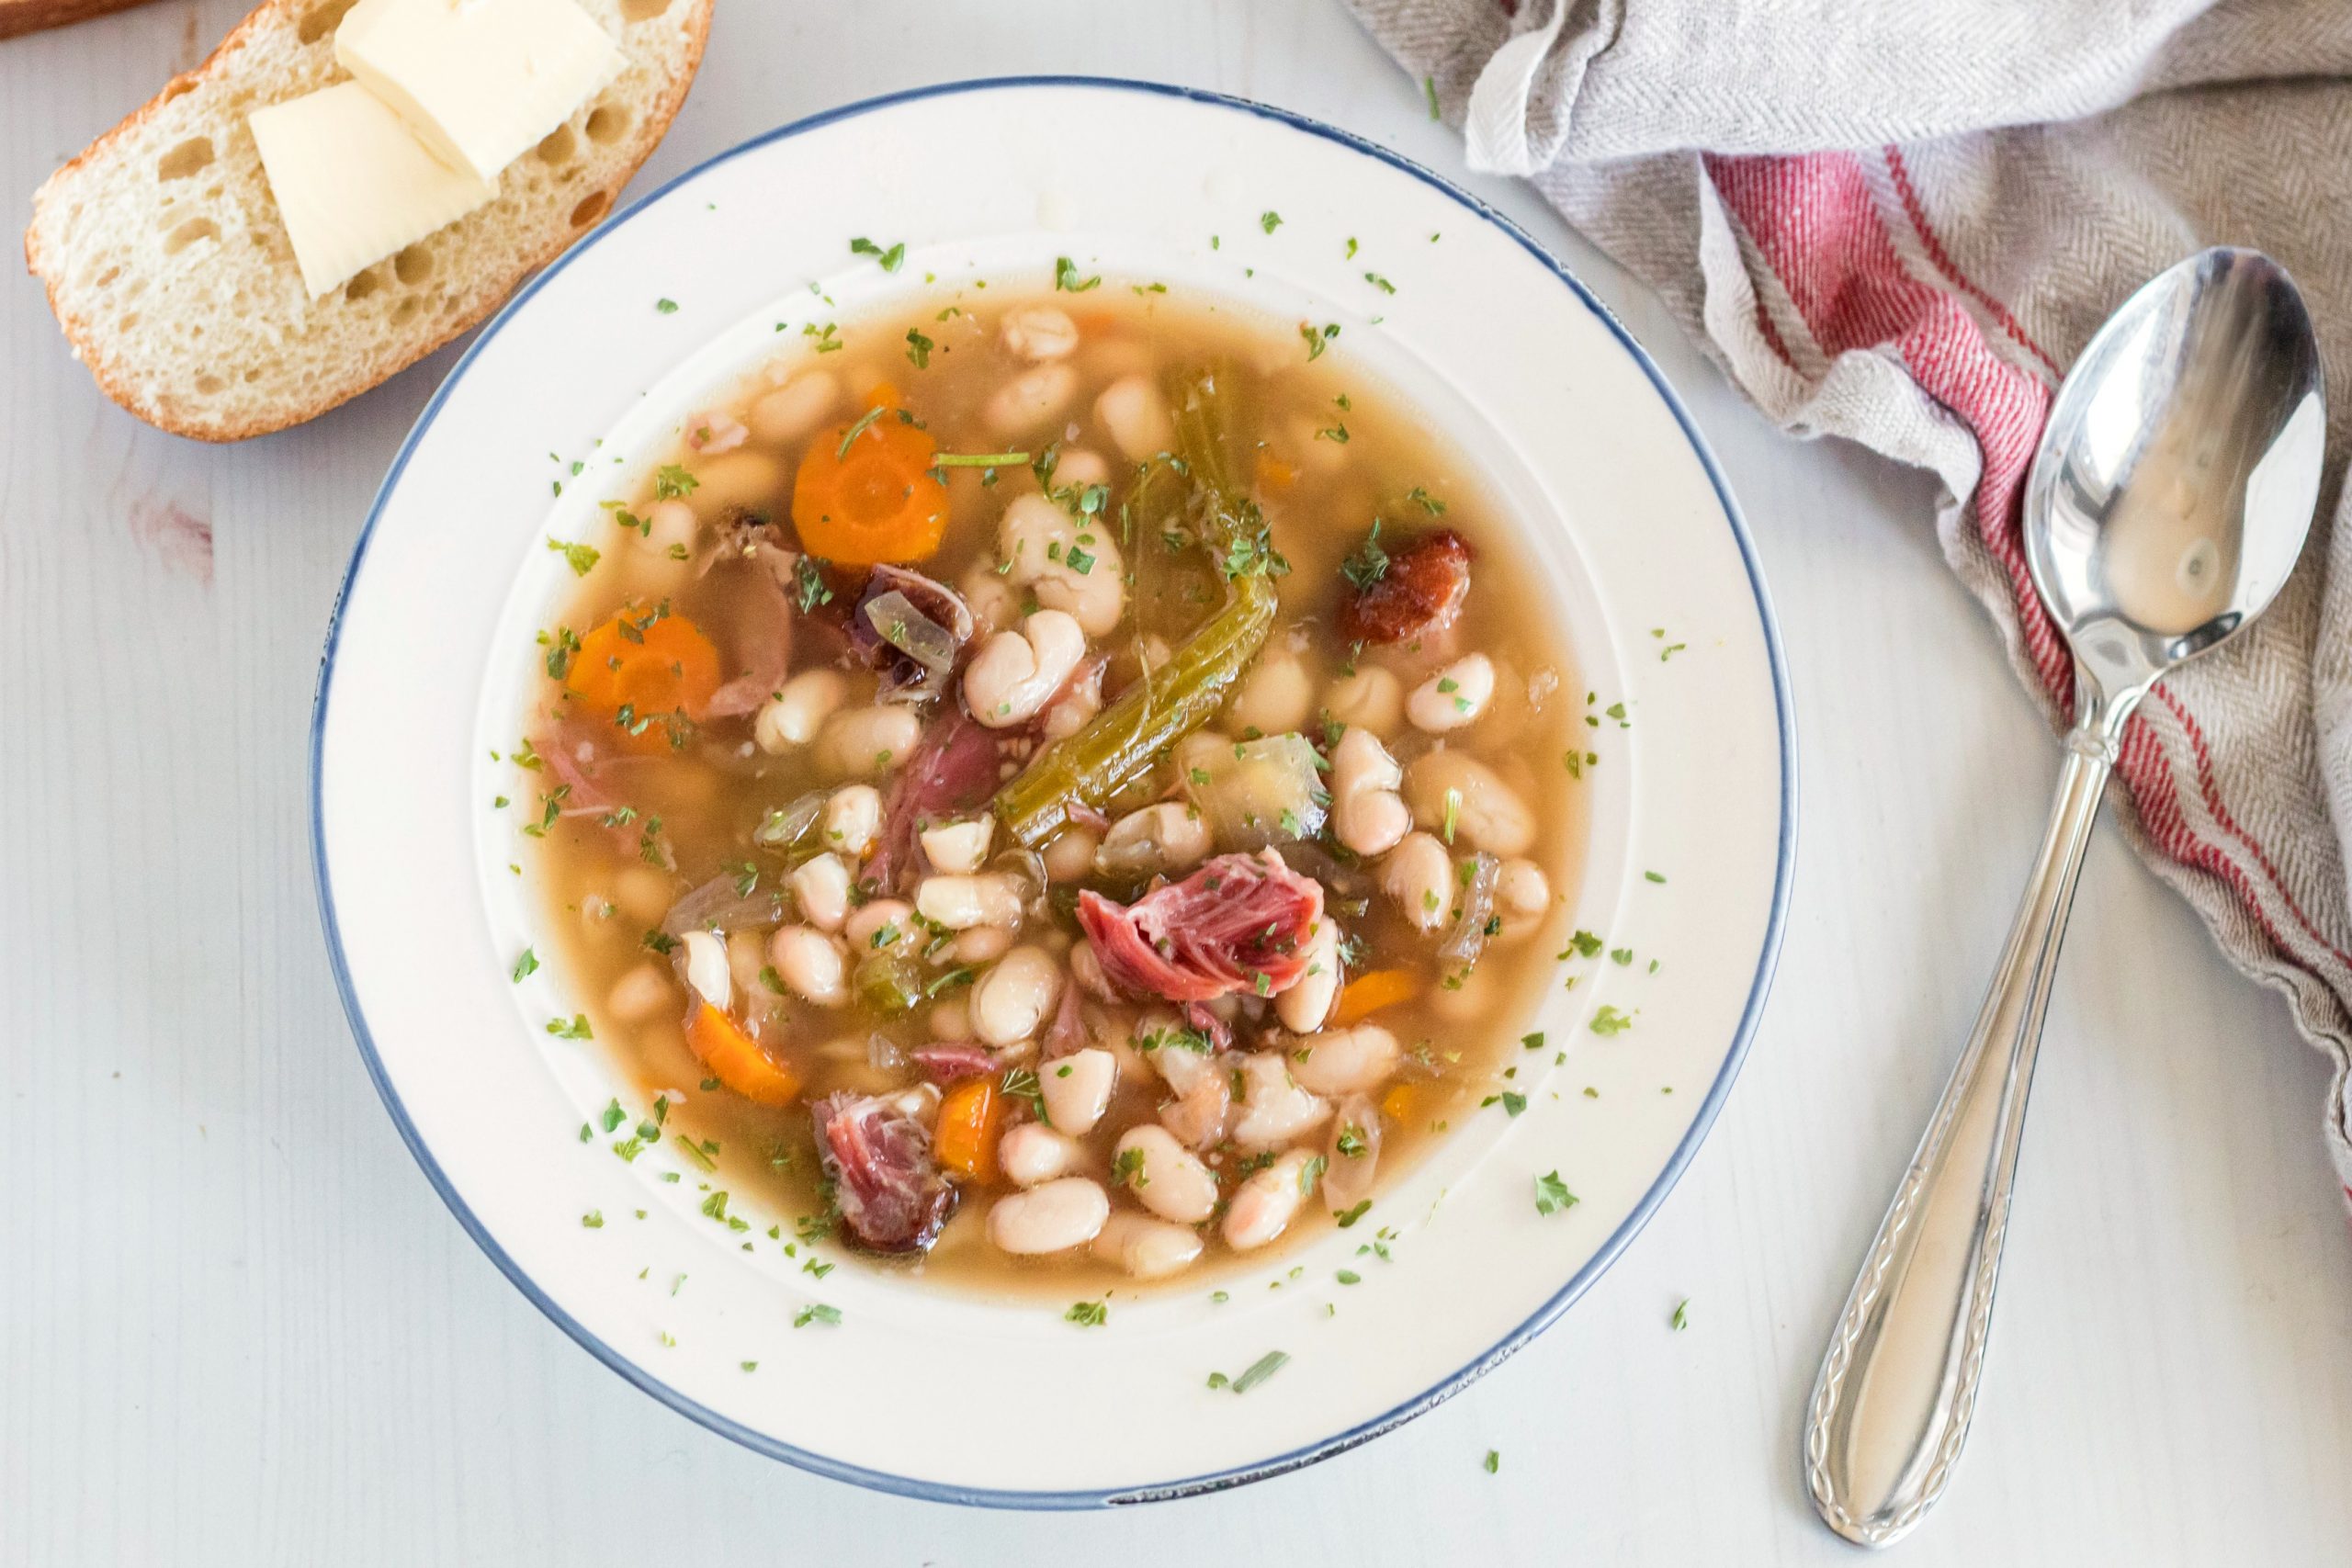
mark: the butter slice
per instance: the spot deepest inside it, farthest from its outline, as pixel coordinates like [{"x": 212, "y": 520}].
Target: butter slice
[
  {"x": 480, "y": 81},
  {"x": 352, "y": 184}
]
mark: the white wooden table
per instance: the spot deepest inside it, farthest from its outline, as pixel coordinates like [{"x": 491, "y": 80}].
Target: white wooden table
[{"x": 237, "y": 1326}]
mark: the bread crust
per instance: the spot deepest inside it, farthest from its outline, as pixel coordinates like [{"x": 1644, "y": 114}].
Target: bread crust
[
  {"x": 31, "y": 15},
  {"x": 646, "y": 134}
]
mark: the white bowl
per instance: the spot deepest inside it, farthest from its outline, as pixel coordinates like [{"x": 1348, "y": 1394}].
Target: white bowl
[{"x": 934, "y": 1393}]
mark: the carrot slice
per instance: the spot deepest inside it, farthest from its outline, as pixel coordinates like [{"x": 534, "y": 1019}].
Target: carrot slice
[
  {"x": 865, "y": 493},
  {"x": 651, "y": 664},
  {"x": 736, "y": 1060},
  {"x": 1398, "y": 1102},
  {"x": 1375, "y": 989},
  {"x": 969, "y": 1119}
]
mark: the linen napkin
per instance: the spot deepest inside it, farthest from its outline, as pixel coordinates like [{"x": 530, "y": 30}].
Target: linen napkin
[{"x": 1898, "y": 222}]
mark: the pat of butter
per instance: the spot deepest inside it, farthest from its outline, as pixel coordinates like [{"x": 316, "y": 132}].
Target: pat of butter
[
  {"x": 480, "y": 81},
  {"x": 353, "y": 185}
]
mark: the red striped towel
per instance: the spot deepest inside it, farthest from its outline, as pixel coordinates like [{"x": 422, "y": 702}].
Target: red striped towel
[{"x": 1897, "y": 223}]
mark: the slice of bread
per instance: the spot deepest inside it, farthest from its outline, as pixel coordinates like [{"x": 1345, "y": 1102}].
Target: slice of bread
[
  {"x": 31, "y": 15},
  {"x": 168, "y": 266}
]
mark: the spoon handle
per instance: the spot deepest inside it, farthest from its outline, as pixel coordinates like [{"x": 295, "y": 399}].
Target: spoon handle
[{"x": 1898, "y": 1385}]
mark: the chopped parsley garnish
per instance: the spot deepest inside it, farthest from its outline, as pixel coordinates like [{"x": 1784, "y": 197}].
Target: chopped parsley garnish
[
  {"x": 667, "y": 306},
  {"x": 1269, "y": 220},
  {"x": 1316, "y": 341},
  {"x": 918, "y": 349},
  {"x": 526, "y": 965},
  {"x": 1429, "y": 91},
  {"x": 1369, "y": 563},
  {"x": 593, "y": 1220},
  {"x": 577, "y": 1029},
  {"x": 1533, "y": 1042},
  {"x": 890, "y": 259},
  {"x": 1347, "y": 1217},
  {"x": 1551, "y": 1194},
  {"x": 1652, "y": 876},
  {"x": 1261, "y": 1368},
  {"x": 672, "y": 482},
  {"x": 1380, "y": 283},
  {"x": 1585, "y": 943},
  {"x": 1127, "y": 1169},
  {"x": 1087, "y": 1314},
  {"x": 1337, "y": 434},
  {"x": 1609, "y": 1020},
  {"x": 1494, "y": 1461},
  {"x": 856, "y": 430},
  {"x": 581, "y": 559},
  {"x": 1681, "y": 1318},
  {"x": 816, "y": 1312},
  {"x": 1067, "y": 280},
  {"x": 808, "y": 583}
]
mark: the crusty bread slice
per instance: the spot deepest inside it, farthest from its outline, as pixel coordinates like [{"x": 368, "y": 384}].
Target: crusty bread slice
[
  {"x": 31, "y": 15},
  {"x": 170, "y": 271}
]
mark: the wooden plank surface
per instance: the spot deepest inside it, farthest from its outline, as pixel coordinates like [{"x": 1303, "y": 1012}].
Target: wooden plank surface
[{"x": 237, "y": 1326}]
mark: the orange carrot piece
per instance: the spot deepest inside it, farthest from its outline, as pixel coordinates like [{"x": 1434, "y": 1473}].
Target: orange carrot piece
[
  {"x": 736, "y": 1060},
  {"x": 653, "y": 664},
  {"x": 970, "y": 1118},
  {"x": 1375, "y": 989},
  {"x": 1398, "y": 1103},
  {"x": 865, "y": 493}
]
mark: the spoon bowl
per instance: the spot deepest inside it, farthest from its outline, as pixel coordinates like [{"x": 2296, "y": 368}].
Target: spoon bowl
[
  {"x": 2174, "y": 485},
  {"x": 2168, "y": 505}
]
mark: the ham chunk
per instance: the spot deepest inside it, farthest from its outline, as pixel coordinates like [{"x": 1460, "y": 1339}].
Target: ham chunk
[{"x": 1237, "y": 924}]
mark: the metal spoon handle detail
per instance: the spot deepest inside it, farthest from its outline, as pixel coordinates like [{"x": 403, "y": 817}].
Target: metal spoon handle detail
[{"x": 1898, "y": 1385}]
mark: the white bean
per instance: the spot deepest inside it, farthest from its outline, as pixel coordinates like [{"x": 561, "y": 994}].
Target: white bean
[
  {"x": 853, "y": 819},
  {"x": 960, "y": 903},
  {"x": 870, "y": 921},
  {"x": 958, "y": 847},
  {"x": 1274, "y": 1109},
  {"x": 637, "y": 995},
  {"x": 1372, "y": 698},
  {"x": 1148, "y": 1249},
  {"x": 989, "y": 595},
  {"x": 747, "y": 477},
  {"x": 1452, "y": 698},
  {"x": 1080, "y": 700},
  {"x": 1087, "y": 970},
  {"x": 1031, "y": 401},
  {"x": 1521, "y": 888},
  {"x": 1078, "y": 465},
  {"x": 1169, "y": 837},
  {"x": 820, "y": 891},
  {"x": 1037, "y": 539},
  {"x": 1134, "y": 414},
  {"x": 643, "y": 893},
  {"x": 1015, "y": 672},
  {"x": 1039, "y": 331},
  {"x": 1052, "y": 1218},
  {"x": 792, "y": 410},
  {"x": 794, "y": 714},
  {"x": 1015, "y": 997},
  {"x": 1165, "y": 1176},
  {"x": 707, "y": 968},
  {"x": 981, "y": 944},
  {"x": 810, "y": 965},
  {"x": 1346, "y": 1061},
  {"x": 670, "y": 526},
  {"x": 1418, "y": 874},
  {"x": 1076, "y": 1090},
  {"x": 1264, "y": 1205},
  {"x": 1487, "y": 813},
  {"x": 1276, "y": 697},
  {"x": 1033, "y": 1153},
  {"x": 1069, "y": 856},
  {"x": 1367, "y": 813},
  {"x": 917, "y": 1102},
  {"x": 1304, "y": 1008},
  {"x": 867, "y": 742}
]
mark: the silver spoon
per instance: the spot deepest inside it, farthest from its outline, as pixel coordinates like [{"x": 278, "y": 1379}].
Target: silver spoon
[{"x": 2167, "y": 506}]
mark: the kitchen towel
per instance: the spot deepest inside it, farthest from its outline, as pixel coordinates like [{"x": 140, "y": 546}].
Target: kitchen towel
[{"x": 1898, "y": 222}]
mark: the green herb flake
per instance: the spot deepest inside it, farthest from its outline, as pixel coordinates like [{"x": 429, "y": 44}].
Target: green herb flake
[
  {"x": 890, "y": 259},
  {"x": 577, "y": 1029},
  {"x": 581, "y": 559},
  {"x": 816, "y": 1312},
  {"x": 1380, "y": 283},
  {"x": 1681, "y": 1318},
  {"x": 1067, "y": 280},
  {"x": 918, "y": 349},
  {"x": 667, "y": 306},
  {"x": 1261, "y": 1368},
  {"x": 1494, "y": 1461},
  {"x": 1087, "y": 1314},
  {"x": 1269, "y": 220},
  {"x": 1609, "y": 1020},
  {"x": 1551, "y": 1194},
  {"x": 526, "y": 965}
]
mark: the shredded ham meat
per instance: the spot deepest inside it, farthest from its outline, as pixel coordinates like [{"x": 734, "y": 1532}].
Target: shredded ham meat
[
  {"x": 1237, "y": 924},
  {"x": 892, "y": 1197}
]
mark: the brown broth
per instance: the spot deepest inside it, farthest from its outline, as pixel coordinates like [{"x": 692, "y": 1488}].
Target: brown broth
[{"x": 1328, "y": 450}]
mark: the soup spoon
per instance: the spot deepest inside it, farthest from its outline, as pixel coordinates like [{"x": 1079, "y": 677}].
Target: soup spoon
[{"x": 2167, "y": 503}]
